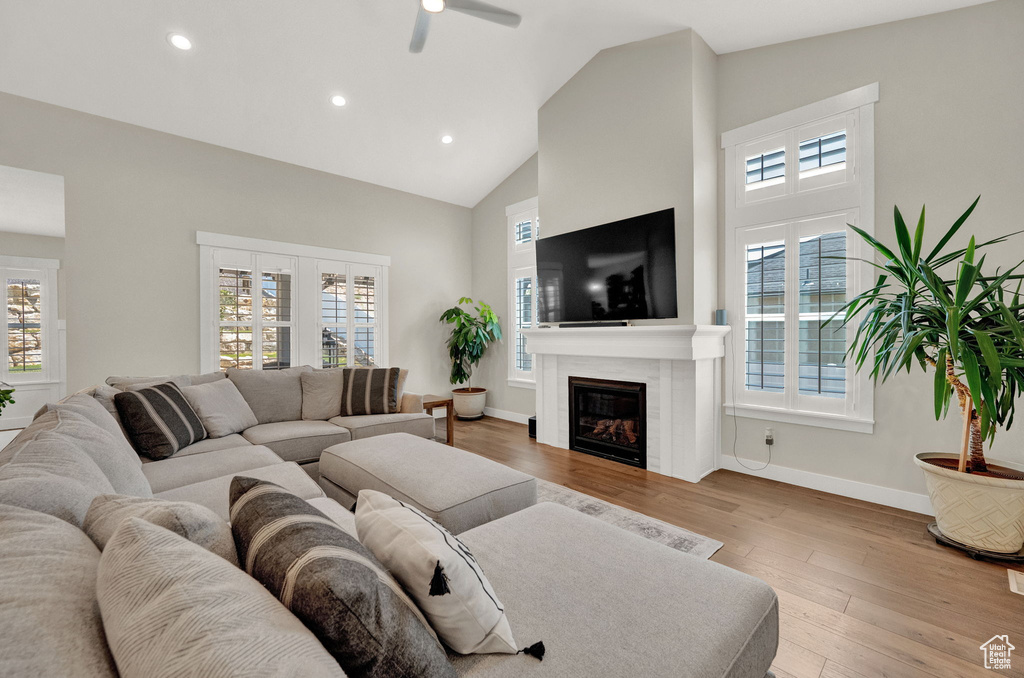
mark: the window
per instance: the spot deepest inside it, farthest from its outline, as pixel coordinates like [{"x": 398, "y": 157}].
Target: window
[
  {"x": 524, "y": 229},
  {"x": 269, "y": 305},
  {"x": 787, "y": 271},
  {"x": 32, "y": 353}
]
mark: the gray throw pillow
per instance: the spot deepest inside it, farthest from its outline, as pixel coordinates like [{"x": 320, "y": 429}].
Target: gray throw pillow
[
  {"x": 171, "y": 609},
  {"x": 221, "y": 408},
  {"x": 206, "y": 378},
  {"x": 49, "y": 622},
  {"x": 333, "y": 584},
  {"x": 273, "y": 395},
  {"x": 196, "y": 523},
  {"x": 321, "y": 394},
  {"x": 159, "y": 420},
  {"x": 370, "y": 390}
]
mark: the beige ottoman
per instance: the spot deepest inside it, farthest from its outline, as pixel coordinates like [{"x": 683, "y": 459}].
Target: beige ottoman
[{"x": 456, "y": 488}]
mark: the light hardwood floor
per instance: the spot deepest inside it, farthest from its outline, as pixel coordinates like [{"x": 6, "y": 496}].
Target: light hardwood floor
[{"x": 863, "y": 590}]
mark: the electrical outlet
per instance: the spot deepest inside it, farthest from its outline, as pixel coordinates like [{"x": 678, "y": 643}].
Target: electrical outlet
[{"x": 769, "y": 436}]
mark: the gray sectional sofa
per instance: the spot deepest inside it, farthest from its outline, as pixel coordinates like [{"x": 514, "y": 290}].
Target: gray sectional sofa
[{"x": 604, "y": 602}]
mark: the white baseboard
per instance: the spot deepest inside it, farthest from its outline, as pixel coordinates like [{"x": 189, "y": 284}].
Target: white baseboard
[
  {"x": 507, "y": 415},
  {"x": 886, "y": 496}
]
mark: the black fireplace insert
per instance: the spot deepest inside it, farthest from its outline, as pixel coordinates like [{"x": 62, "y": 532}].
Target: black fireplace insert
[{"x": 609, "y": 419}]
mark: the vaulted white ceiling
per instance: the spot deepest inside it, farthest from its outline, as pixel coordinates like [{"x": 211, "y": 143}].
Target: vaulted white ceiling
[{"x": 261, "y": 72}]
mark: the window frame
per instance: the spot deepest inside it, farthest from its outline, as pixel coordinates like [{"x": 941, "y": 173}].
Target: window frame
[
  {"x": 45, "y": 270},
  {"x": 306, "y": 319},
  {"x": 522, "y": 263},
  {"x": 801, "y": 209}
]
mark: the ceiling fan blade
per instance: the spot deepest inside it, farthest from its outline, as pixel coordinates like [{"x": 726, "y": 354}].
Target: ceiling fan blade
[
  {"x": 482, "y": 10},
  {"x": 419, "y": 31}
]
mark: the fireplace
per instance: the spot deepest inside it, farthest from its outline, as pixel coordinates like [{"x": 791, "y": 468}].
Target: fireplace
[{"x": 608, "y": 419}]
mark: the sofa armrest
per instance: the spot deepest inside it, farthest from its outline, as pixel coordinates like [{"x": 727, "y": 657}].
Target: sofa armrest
[{"x": 412, "y": 403}]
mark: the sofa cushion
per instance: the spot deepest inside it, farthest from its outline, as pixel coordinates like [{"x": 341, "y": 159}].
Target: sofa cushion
[
  {"x": 159, "y": 420},
  {"x": 176, "y": 471},
  {"x": 213, "y": 493},
  {"x": 321, "y": 394},
  {"x": 104, "y": 395},
  {"x": 221, "y": 408},
  {"x": 112, "y": 453},
  {"x": 423, "y": 473},
  {"x": 54, "y": 477},
  {"x": 418, "y": 424},
  {"x": 438, "y": 572},
  {"x": 345, "y": 519},
  {"x": 209, "y": 445},
  {"x": 91, "y": 408},
  {"x": 171, "y": 608},
  {"x": 132, "y": 383},
  {"x": 273, "y": 395},
  {"x": 298, "y": 441},
  {"x": 206, "y": 378},
  {"x": 49, "y": 621},
  {"x": 333, "y": 584},
  {"x": 196, "y": 523},
  {"x": 370, "y": 390},
  {"x": 561, "y": 573}
]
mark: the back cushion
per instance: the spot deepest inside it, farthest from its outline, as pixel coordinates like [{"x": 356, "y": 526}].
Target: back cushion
[
  {"x": 112, "y": 453},
  {"x": 49, "y": 619},
  {"x": 92, "y": 409},
  {"x": 273, "y": 395},
  {"x": 159, "y": 420},
  {"x": 370, "y": 391},
  {"x": 206, "y": 378},
  {"x": 53, "y": 476}
]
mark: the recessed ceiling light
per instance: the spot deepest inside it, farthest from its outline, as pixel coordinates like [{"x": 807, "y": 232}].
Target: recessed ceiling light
[
  {"x": 338, "y": 100},
  {"x": 432, "y": 6},
  {"x": 179, "y": 41},
  {"x": 446, "y": 139}
]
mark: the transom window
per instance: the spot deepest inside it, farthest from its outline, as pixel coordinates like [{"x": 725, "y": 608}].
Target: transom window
[
  {"x": 827, "y": 152},
  {"x": 766, "y": 167}
]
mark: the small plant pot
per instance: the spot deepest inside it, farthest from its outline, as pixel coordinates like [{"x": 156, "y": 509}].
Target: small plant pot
[
  {"x": 975, "y": 510},
  {"x": 469, "y": 402}
]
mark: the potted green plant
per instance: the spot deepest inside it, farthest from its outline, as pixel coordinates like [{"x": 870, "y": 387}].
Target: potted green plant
[
  {"x": 6, "y": 398},
  {"x": 966, "y": 325},
  {"x": 470, "y": 336}
]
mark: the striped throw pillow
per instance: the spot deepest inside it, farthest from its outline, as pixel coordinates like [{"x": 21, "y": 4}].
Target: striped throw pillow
[
  {"x": 159, "y": 420},
  {"x": 333, "y": 584},
  {"x": 370, "y": 390}
]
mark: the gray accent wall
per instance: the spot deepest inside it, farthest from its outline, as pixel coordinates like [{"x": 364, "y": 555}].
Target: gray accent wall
[
  {"x": 946, "y": 130},
  {"x": 134, "y": 199}
]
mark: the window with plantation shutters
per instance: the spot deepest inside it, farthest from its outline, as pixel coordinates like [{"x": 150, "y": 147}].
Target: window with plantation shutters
[
  {"x": 31, "y": 352},
  {"x": 794, "y": 185},
  {"x": 523, "y": 231},
  {"x": 270, "y": 306}
]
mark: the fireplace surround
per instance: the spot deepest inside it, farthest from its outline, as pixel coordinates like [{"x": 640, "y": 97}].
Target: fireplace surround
[{"x": 608, "y": 418}]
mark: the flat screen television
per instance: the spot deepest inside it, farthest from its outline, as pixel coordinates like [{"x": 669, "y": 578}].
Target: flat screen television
[{"x": 625, "y": 270}]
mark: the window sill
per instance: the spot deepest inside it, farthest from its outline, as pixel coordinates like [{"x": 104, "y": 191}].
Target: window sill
[
  {"x": 522, "y": 383},
  {"x": 802, "y": 417}
]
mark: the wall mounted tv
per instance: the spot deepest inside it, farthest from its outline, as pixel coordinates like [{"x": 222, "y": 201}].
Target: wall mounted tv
[{"x": 625, "y": 270}]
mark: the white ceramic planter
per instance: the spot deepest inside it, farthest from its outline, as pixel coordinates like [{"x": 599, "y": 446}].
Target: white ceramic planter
[
  {"x": 469, "y": 402},
  {"x": 985, "y": 513}
]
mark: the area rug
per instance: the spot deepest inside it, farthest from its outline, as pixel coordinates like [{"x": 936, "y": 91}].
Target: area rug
[{"x": 631, "y": 521}]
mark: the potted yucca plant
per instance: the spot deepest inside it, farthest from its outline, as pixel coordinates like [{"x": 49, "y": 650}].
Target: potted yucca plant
[
  {"x": 942, "y": 311},
  {"x": 471, "y": 334}
]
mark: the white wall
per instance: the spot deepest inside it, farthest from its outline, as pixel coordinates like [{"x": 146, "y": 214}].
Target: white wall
[
  {"x": 135, "y": 198},
  {"x": 490, "y": 284},
  {"x": 947, "y": 128}
]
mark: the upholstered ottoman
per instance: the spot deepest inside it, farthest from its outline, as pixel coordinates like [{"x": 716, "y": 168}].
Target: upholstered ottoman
[{"x": 456, "y": 488}]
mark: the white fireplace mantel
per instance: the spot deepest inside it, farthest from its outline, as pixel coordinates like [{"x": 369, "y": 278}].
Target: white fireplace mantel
[{"x": 680, "y": 366}]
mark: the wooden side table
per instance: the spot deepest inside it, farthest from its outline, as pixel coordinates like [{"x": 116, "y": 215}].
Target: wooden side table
[{"x": 430, "y": 402}]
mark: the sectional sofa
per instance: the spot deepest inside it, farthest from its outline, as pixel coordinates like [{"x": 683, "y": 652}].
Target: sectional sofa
[{"x": 605, "y": 602}]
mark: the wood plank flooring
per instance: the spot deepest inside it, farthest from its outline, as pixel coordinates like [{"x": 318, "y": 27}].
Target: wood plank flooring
[{"x": 863, "y": 590}]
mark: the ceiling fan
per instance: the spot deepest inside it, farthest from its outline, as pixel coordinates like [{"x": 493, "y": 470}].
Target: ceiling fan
[{"x": 481, "y": 10}]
